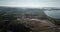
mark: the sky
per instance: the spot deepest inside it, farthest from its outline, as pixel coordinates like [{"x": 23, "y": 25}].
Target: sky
[{"x": 30, "y": 3}]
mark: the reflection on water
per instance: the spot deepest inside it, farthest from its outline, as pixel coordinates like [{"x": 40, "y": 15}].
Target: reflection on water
[{"x": 53, "y": 14}]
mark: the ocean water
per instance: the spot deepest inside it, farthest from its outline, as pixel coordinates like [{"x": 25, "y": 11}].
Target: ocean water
[{"x": 53, "y": 13}]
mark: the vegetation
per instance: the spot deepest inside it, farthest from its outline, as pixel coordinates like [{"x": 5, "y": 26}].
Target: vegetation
[
  {"x": 9, "y": 16},
  {"x": 9, "y": 22}
]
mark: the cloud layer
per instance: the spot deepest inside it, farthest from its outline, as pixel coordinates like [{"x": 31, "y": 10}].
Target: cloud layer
[{"x": 30, "y": 3}]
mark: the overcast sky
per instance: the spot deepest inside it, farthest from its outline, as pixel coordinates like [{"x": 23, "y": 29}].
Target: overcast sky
[{"x": 30, "y": 3}]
